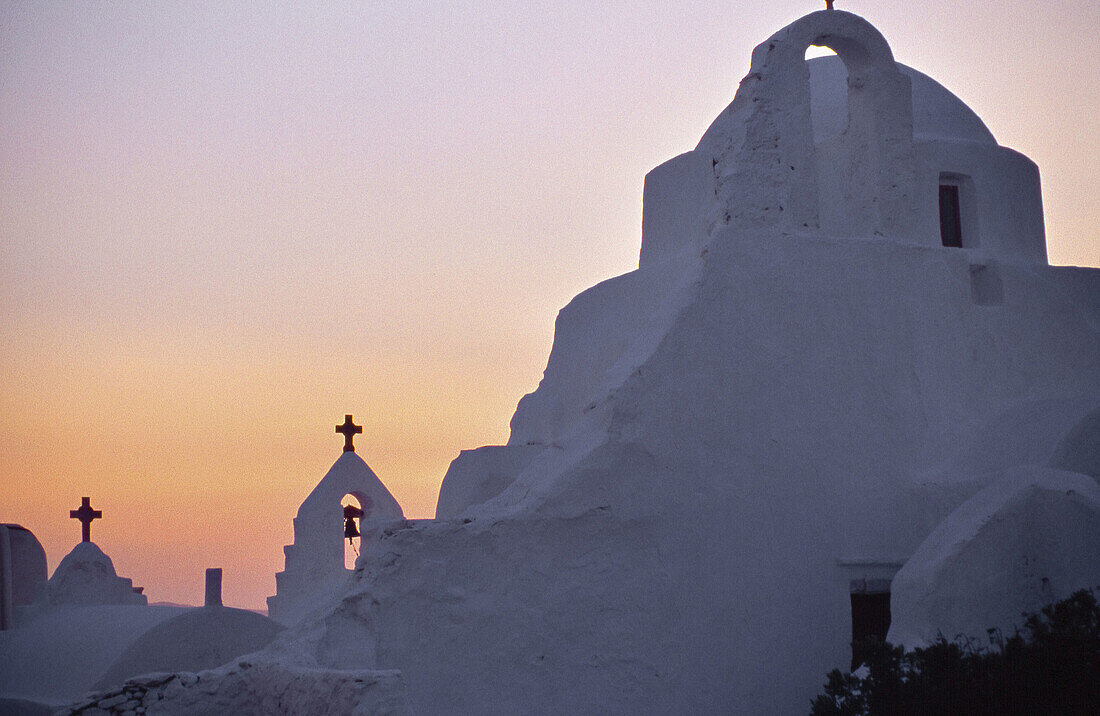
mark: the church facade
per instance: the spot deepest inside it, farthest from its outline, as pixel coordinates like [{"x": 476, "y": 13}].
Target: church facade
[{"x": 843, "y": 394}]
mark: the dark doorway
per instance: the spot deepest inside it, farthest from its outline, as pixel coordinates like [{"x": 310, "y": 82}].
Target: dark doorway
[
  {"x": 950, "y": 216},
  {"x": 870, "y": 622}
]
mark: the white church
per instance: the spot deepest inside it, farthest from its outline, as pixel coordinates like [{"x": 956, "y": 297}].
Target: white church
[{"x": 842, "y": 395}]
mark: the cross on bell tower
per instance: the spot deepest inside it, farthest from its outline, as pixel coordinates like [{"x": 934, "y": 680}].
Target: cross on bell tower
[
  {"x": 85, "y": 514},
  {"x": 349, "y": 429}
]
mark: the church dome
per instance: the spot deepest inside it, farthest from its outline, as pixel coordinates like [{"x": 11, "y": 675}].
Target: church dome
[
  {"x": 86, "y": 576},
  {"x": 937, "y": 113},
  {"x": 853, "y": 145},
  {"x": 197, "y": 639}
]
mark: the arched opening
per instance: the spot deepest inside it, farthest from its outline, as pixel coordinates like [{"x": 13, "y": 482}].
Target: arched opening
[
  {"x": 356, "y": 508},
  {"x": 859, "y": 105},
  {"x": 860, "y": 182},
  {"x": 828, "y": 93},
  {"x": 815, "y": 51}
]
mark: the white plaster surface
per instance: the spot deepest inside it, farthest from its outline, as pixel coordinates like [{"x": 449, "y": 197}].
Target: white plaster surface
[
  {"x": 1079, "y": 450},
  {"x": 315, "y": 569},
  {"x": 86, "y": 576},
  {"x": 63, "y": 652},
  {"x": 479, "y": 475},
  {"x": 1029, "y": 539},
  {"x": 937, "y": 113},
  {"x": 253, "y": 687},
  {"x": 770, "y": 409},
  {"x": 1039, "y": 432},
  {"x": 197, "y": 639},
  {"x": 796, "y": 388},
  {"x": 854, "y": 146},
  {"x": 28, "y": 564},
  {"x": 675, "y": 545}
]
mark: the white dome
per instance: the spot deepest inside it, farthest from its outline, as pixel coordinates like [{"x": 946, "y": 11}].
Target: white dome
[
  {"x": 937, "y": 114},
  {"x": 197, "y": 639}
]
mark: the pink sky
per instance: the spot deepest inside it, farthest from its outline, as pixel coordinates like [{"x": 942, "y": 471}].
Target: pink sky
[{"x": 225, "y": 225}]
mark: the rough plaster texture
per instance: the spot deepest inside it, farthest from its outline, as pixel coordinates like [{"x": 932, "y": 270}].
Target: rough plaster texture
[
  {"x": 1029, "y": 539},
  {"x": 686, "y": 541},
  {"x": 771, "y": 409},
  {"x": 252, "y": 688},
  {"x": 764, "y": 161},
  {"x": 315, "y": 562},
  {"x": 85, "y": 577},
  {"x": 851, "y": 146},
  {"x": 794, "y": 393}
]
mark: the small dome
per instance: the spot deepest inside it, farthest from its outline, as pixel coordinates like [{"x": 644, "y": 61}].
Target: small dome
[
  {"x": 197, "y": 639},
  {"x": 86, "y": 576},
  {"x": 937, "y": 114}
]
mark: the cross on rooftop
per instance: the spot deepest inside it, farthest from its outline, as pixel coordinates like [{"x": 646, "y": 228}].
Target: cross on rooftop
[
  {"x": 828, "y": 4},
  {"x": 349, "y": 429},
  {"x": 85, "y": 514}
]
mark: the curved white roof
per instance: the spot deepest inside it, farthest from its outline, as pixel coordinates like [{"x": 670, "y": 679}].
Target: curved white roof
[
  {"x": 197, "y": 639},
  {"x": 937, "y": 113}
]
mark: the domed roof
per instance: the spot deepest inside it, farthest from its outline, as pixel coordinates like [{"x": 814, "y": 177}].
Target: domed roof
[
  {"x": 87, "y": 576},
  {"x": 937, "y": 114},
  {"x": 197, "y": 639}
]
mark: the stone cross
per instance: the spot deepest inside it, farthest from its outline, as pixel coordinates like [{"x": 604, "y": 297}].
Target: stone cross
[
  {"x": 85, "y": 514},
  {"x": 349, "y": 429}
]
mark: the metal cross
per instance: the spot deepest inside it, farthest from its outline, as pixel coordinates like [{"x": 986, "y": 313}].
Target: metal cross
[
  {"x": 349, "y": 429},
  {"x": 85, "y": 514}
]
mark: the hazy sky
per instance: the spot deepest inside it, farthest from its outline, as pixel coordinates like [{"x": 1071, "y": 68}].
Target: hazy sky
[{"x": 225, "y": 225}]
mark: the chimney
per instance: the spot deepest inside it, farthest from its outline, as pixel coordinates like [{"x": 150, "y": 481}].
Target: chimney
[{"x": 214, "y": 587}]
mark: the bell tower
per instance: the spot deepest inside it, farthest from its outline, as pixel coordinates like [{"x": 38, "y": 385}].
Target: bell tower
[{"x": 315, "y": 561}]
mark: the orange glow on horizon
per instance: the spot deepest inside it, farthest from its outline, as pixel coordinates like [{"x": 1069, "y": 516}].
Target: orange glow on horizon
[
  {"x": 200, "y": 457},
  {"x": 224, "y": 226}
]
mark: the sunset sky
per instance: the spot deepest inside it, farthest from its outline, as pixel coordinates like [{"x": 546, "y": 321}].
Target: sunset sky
[{"x": 224, "y": 225}]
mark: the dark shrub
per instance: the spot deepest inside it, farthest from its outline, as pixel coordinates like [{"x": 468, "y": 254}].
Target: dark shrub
[{"x": 1051, "y": 667}]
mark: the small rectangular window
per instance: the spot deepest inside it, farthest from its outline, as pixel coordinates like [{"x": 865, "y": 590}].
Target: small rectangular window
[{"x": 950, "y": 216}]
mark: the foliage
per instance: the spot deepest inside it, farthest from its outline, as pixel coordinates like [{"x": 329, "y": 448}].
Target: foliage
[{"x": 1052, "y": 667}]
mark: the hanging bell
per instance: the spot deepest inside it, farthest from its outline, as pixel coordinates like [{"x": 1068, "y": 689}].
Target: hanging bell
[{"x": 351, "y": 513}]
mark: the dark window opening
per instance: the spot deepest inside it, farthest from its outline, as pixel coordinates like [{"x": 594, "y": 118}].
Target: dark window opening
[
  {"x": 870, "y": 623},
  {"x": 950, "y": 216}
]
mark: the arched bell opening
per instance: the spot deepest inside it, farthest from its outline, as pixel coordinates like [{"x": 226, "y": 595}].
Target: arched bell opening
[
  {"x": 828, "y": 93},
  {"x": 857, "y": 83},
  {"x": 815, "y": 51},
  {"x": 769, "y": 171},
  {"x": 356, "y": 508},
  {"x": 861, "y": 119}
]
